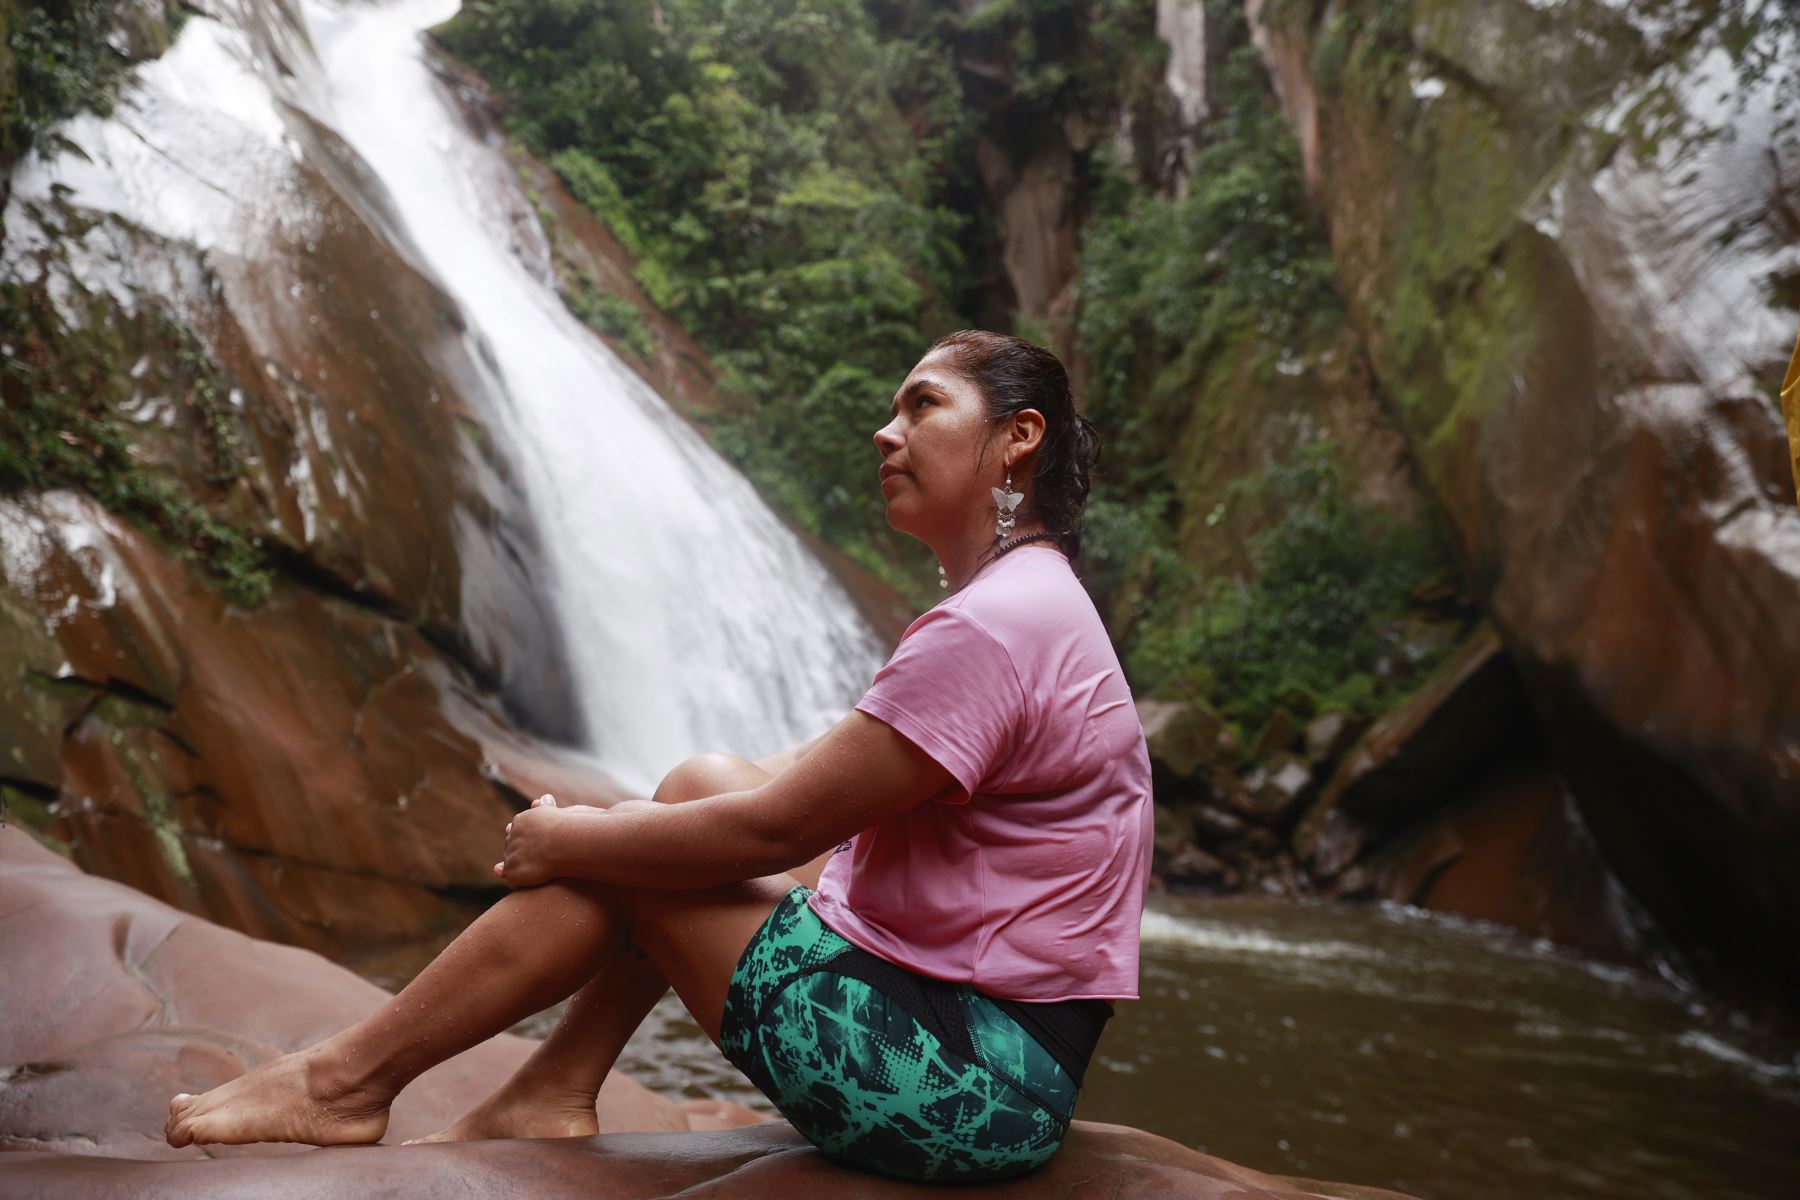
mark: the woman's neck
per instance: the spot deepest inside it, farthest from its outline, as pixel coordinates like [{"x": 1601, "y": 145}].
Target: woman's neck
[{"x": 962, "y": 565}]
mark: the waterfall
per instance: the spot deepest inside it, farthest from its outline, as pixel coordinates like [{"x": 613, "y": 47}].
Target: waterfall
[{"x": 694, "y": 619}]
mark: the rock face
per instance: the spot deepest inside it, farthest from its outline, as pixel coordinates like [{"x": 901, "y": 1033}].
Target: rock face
[
  {"x": 266, "y": 583},
  {"x": 136, "y": 1001},
  {"x": 305, "y": 770},
  {"x": 1574, "y": 269},
  {"x": 273, "y": 614},
  {"x": 116, "y": 1001}
]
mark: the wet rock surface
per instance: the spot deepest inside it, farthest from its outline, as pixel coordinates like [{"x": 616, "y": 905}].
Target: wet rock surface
[
  {"x": 1576, "y": 297},
  {"x": 1452, "y": 801},
  {"x": 305, "y": 770},
  {"x": 277, "y": 640},
  {"x": 137, "y": 1001},
  {"x": 267, "y": 581}
]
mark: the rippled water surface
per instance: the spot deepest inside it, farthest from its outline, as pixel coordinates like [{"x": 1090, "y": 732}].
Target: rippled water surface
[{"x": 1382, "y": 1045}]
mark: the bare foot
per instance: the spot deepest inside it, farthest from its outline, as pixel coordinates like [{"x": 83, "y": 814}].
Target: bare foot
[
  {"x": 522, "y": 1109},
  {"x": 292, "y": 1099}
]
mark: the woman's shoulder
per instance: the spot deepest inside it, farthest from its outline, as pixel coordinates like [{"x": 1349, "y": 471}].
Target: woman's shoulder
[{"x": 1036, "y": 601}]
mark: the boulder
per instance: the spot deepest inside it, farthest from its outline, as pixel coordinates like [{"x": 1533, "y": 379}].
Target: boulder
[
  {"x": 115, "y": 1000},
  {"x": 1578, "y": 326},
  {"x": 1423, "y": 752},
  {"x": 310, "y": 769},
  {"x": 1328, "y": 735},
  {"x": 1513, "y": 850},
  {"x": 1276, "y": 788},
  {"x": 1279, "y": 734},
  {"x": 1184, "y": 737}
]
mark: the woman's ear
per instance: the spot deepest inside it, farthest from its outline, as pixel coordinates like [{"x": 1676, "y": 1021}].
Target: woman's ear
[{"x": 1026, "y": 435}]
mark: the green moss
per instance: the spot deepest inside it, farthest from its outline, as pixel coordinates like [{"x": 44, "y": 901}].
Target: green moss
[
  {"x": 134, "y": 736},
  {"x": 19, "y": 807},
  {"x": 1322, "y": 615},
  {"x": 1364, "y": 47},
  {"x": 61, "y": 390},
  {"x": 614, "y": 316}
]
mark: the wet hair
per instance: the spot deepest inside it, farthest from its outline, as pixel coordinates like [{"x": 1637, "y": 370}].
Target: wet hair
[{"x": 1014, "y": 375}]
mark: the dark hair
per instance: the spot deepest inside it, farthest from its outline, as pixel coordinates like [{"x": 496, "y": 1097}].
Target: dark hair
[{"x": 1013, "y": 375}]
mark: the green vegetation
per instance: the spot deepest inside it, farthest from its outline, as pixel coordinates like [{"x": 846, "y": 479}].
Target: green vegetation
[
  {"x": 61, "y": 392},
  {"x": 1087, "y": 57},
  {"x": 1170, "y": 286},
  {"x": 614, "y": 316},
  {"x": 757, "y": 160},
  {"x": 55, "y": 61},
  {"x": 1323, "y": 612},
  {"x": 1190, "y": 306},
  {"x": 790, "y": 178}
]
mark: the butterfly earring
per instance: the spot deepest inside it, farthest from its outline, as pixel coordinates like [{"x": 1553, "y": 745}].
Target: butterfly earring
[{"x": 1007, "y": 502}]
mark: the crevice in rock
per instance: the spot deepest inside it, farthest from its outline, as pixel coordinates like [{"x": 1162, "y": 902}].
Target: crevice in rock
[
  {"x": 37, "y": 789},
  {"x": 109, "y": 686},
  {"x": 449, "y": 891},
  {"x": 165, "y": 1010},
  {"x": 307, "y": 572}
]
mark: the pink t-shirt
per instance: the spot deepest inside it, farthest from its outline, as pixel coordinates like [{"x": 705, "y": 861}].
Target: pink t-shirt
[{"x": 1027, "y": 878}]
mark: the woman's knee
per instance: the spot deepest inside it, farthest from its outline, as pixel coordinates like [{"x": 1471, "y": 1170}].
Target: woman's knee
[{"x": 708, "y": 775}]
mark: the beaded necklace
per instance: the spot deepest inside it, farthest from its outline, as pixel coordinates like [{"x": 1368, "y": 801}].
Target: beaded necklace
[{"x": 944, "y": 582}]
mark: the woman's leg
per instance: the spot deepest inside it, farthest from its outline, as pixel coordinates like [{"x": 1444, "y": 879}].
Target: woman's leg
[
  {"x": 553, "y": 1093},
  {"x": 530, "y": 950}
]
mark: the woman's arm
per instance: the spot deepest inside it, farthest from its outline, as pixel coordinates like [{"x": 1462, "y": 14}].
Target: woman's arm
[
  {"x": 858, "y": 774},
  {"x": 781, "y": 760}
]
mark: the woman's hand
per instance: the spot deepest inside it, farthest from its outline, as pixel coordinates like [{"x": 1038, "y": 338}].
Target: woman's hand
[
  {"x": 534, "y": 837},
  {"x": 530, "y": 841}
]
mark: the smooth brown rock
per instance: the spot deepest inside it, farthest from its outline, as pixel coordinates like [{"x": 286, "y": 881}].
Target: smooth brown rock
[
  {"x": 1578, "y": 326},
  {"x": 1422, "y": 753},
  {"x": 1513, "y": 850},
  {"x": 307, "y": 770},
  {"x": 114, "y": 1001},
  {"x": 761, "y": 1161}
]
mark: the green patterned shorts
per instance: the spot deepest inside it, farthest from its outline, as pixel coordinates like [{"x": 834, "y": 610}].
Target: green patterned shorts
[{"x": 884, "y": 1069}]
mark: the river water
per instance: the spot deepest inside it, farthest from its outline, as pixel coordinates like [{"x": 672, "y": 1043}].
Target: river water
[{"x": 1388, "y": 1046}]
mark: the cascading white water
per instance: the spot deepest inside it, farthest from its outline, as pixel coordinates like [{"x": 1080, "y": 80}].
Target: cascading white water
[{"x": 694, "y": 619}]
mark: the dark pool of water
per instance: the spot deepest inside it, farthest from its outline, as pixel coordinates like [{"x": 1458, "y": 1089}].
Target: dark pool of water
[{"x": 1387, "y": 1046}]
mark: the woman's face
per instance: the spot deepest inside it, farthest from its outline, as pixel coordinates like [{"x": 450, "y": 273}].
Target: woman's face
[{"x": 932, "y": 472}]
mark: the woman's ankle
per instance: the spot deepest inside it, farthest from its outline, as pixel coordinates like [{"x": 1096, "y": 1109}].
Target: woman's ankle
[{"x": 349, "y": 1078}]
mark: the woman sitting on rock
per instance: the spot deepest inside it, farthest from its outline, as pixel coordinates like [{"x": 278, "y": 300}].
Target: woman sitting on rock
[{"x": 906, "y": 933}]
